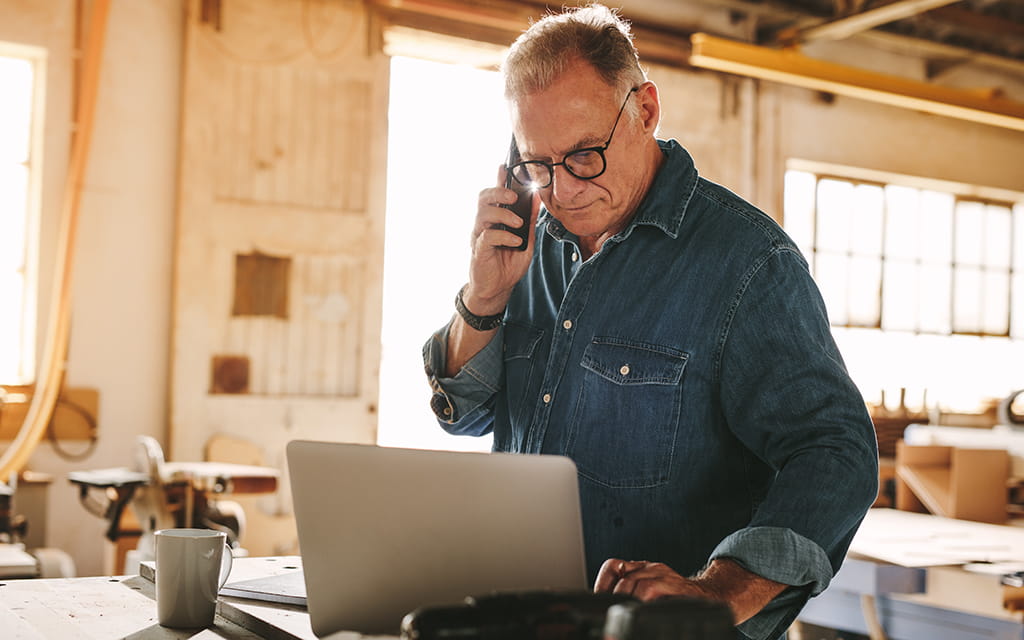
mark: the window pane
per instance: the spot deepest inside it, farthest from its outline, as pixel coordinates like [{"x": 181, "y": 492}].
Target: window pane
[
  {"x": 866, "y": 234},
  {"x": 936, "y": 227},
  {"x": 900, "y": 296},
  {"x": 17, "y": 328},
  {"x": 902, "y": 229},
  {"x": 832, "y": 275},
  {"x": 835, "y": 199},
  {"x": 865, "y": 292},
  {"x": 970, "y": 233},
  {"x": 998, "y": 236},
  {"x": 935, "y": 286},
  {"x": 996, "y": 312},
  {"x": 1017, "y": 330},
  {"x": 1018, "y": 238},
  {"x": 15, "y": 109},
  {"x": 967, "y": 305},
  {"x": 798, "y": 209},
  {"x": 11, "y": 288},
  {"x": 13, "y": 191}
]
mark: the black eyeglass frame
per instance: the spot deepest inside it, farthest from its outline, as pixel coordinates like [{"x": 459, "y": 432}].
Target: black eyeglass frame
[{"x": 600, "y": 149}]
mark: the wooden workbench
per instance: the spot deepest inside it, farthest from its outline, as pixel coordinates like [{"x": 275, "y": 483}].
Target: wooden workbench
[
  {"x": 934, "y": 603},
  {"x": 937, "y": 603},
  {"x": 125, "y": 607},
  {"x": 909, "y": 576}
]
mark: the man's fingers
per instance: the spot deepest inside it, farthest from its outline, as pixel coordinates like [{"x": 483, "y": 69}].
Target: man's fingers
[
  {"x": 613, "y": 571},
  {"x": 610, "y": 573},
  {"x": 643, "y": 580},
  {"x": 607, "y": 575}
]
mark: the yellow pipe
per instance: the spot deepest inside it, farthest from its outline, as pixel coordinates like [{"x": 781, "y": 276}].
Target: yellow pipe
[{"x": 48, "y": 384}]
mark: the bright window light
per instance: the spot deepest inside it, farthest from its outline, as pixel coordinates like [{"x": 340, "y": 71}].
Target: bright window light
[
  {"x": 17, "y": 300},
  {"x": 448, "y": 132},
  {"x": 924, "y": 288}
]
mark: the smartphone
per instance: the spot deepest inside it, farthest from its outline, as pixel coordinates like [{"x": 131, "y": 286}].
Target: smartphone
[{"x": 523, "y": 204}]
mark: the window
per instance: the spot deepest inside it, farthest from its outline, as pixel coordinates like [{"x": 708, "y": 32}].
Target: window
[
  {"x": 924, "y": 282},
  {"x": 428, "y": 224},
  {"x": 18, "y": 214}
]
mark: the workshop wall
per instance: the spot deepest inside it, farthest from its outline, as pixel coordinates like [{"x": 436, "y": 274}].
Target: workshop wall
[{"x": 121, "y": 304}]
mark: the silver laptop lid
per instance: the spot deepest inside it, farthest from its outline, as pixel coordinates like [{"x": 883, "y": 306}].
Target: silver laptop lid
[{"x": 383, "y": 531}]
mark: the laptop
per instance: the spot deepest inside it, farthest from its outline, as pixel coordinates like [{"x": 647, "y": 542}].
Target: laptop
[{"x": 384, "y": 531}]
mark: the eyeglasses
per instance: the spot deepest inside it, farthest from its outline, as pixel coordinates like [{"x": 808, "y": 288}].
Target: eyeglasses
[{"x": 586, "y": 163}]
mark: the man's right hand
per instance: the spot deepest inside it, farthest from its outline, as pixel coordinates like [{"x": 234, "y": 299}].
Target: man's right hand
[
  {"x": 495, "y": 266},
  {"x": 494, "y": 269}
]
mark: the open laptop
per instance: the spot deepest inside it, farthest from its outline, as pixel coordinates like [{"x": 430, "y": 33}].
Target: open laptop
[{"x": 384, "y": 531}]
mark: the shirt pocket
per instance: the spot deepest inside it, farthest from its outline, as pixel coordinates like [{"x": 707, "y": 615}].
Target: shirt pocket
[
  {"x": 624, "y": 425},
  {"x": 521, "y": 343}
]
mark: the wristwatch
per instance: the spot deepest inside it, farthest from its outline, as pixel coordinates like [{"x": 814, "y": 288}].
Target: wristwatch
[{"x": 480, "y": 323}]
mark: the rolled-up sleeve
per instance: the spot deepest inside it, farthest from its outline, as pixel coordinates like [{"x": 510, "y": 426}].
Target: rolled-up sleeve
[
  {"x": 464, "y": 403},
  {"x": 783, "y": 556}
]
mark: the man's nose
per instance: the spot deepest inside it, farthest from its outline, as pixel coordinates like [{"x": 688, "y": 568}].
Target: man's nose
[{"x": 564, "y": 185}]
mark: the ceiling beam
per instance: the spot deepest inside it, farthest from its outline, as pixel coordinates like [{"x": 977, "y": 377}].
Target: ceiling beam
[
  {"x": 771, "y": 11},
  {"x": 979, "y": 21},
  {"x": 791, "y": 67},
  {"x": 847, "y": 26},
  {"x": 501, "y": 21},
  {"x": 918, "y": 46}
]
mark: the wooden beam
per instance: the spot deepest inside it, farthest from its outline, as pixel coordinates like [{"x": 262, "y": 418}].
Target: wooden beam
[
  {"x": 501, "y": 21},
  {"x": 916, "y": 46},
  {"x": 788, "y": 66},
  {"x": 990, "y": 25},
  {"x": 847, "y": 26},
  {"x": 772, "y": 12}
]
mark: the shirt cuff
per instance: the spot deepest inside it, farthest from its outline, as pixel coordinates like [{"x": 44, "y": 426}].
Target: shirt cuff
[
  {"x": 474, "y": 384},
  {"x": 784, "y": 556}
]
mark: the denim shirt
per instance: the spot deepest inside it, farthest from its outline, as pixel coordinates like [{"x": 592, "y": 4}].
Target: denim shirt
[{"x": 689, "y": 371}]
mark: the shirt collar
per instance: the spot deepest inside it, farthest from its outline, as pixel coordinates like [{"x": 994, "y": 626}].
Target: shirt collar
[{"x": 665, "y": 203}]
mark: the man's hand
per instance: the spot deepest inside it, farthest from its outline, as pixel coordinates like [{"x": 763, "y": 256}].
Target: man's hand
[
  {"x": 746, "y": 593},
  {"x": 495, "y": 267}
]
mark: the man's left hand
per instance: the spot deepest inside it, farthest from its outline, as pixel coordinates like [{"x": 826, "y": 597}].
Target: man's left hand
[
  {"x": 746, "y": 593},
  {"x": 645, "y": 580}
]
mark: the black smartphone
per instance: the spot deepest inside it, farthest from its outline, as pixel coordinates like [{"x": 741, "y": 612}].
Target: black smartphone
[{"x": 523, "y": 204}]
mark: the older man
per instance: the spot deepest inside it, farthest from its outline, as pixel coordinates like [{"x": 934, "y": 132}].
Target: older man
[{"x": 664, "y": 334}]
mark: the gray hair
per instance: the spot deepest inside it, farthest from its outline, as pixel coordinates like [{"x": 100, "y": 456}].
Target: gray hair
[{"x": 594, "y": 33}]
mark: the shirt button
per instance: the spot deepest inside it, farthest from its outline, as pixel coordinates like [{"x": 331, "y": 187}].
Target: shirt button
[
  {"x": 547, "y": 398},
  {"x": 624, "y": 370},
  {"x": 567, "y": 324},
  {"x": 447, "y": 411},
  {"x": 575, "y": 256}
]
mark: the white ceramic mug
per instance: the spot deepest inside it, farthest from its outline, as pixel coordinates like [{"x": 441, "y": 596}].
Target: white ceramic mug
[{"x": 191, "y": 567}]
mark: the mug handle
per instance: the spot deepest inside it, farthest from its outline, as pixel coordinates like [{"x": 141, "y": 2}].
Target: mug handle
[{"x": 226, "y": 561}]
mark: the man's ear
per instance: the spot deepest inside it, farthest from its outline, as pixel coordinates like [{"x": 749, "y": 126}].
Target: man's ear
[{"x": 650, "y": 106}]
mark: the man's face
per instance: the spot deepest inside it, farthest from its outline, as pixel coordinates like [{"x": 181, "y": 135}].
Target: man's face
[{"x": 578, "y": 111}]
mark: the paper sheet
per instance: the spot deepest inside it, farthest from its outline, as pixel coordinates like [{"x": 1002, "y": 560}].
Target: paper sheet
[{"x": 922, "y": 540}]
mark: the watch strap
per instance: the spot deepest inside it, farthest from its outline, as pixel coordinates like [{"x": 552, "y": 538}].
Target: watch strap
[{"x": 480, "y": 323}]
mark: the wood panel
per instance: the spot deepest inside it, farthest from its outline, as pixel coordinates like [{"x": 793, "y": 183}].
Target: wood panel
[
  {"x": 314, "y": 351},
  {"x": 283, "y": 154},
  {"x": 292, "y": 136}
]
